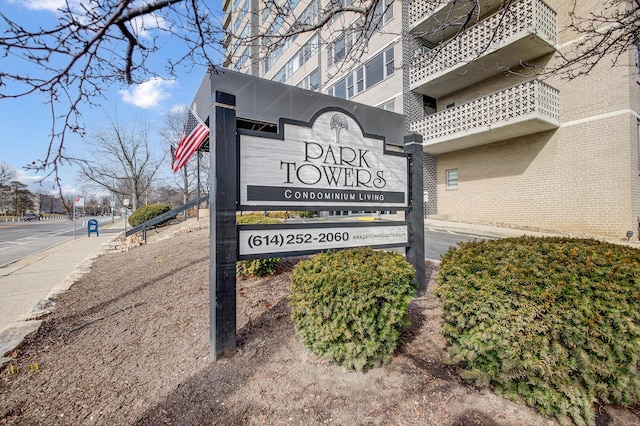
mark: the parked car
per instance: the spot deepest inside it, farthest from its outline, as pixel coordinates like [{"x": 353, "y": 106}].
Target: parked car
[{"x": 31, "y": 216}]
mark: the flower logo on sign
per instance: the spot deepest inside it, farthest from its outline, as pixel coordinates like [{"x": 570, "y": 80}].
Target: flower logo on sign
[{"x": 338, "y": 122}]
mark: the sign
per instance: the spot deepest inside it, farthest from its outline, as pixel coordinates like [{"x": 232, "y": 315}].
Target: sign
[
  {"x": 125, "y": 202},
  {"x": 78, "y": 201},
  {"x": 297, "y": 239},
  {"x": 327, "y": 163}
]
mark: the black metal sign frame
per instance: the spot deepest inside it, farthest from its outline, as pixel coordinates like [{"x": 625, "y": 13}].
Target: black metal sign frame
[{"x": 224, "y": 198}]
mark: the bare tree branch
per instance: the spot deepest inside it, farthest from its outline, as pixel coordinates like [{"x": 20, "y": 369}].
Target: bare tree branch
[
  {"x": 123, "y": 161},
  {"x": 105, "y": 42}
]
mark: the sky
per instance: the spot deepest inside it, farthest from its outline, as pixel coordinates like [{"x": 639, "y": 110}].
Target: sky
[{"x": 25, "y": 123}]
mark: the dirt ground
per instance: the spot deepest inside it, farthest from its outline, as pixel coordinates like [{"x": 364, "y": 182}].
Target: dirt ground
[{"x": 129, "y": 343}]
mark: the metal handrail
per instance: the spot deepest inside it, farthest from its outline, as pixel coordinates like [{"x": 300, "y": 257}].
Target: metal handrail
[{"x": 164, "y": 216}]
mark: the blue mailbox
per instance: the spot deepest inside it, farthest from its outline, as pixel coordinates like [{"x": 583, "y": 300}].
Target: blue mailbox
[{"x": 92, "y": 226}]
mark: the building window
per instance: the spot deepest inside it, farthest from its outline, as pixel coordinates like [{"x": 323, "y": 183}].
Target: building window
[
  {"x": 360, "y": 79},
  {"x": 339, "y": 49},
  {"x": 309, "y": 15},
  {"x": 389, "y": 63},
  {"x": 377, "y": 69},
  {"x": 333, "y": 4},
  {"x": 243, "y": 12},
  {"x": 382, "y": 14},
  {"x": 266, "y": 12},
  {"x": 339, "y": 89},
  {"x": 242, "y": 60},
  {"x": 384, "y": 8},
  {"x": 429, "y": 104},
  {"x": 273, "y": 28},
  {"x": 312, "y": 81},
  {"x": 299, "y": 59},
  {"x": 390, "y": 105},
  {"x": 275, "y": 54},
  {"x": 452, "y": 179},
  {"x": 374, "y": 70}
]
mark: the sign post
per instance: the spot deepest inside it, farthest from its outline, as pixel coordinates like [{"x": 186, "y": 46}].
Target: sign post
[
  {"x": 125, "y": 203},
  {"x": 223, "y": 246},
  {"x": 77, "y": 202},
  {"x": 415, "y": 214}
]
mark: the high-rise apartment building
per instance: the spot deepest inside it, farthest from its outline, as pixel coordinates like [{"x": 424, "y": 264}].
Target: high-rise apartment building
[{"x": 504, "y": 141}]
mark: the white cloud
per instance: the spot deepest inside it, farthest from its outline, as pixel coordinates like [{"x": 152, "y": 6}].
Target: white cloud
[
  {"x": 24, "y": 177},
  {"x": 35, "y": 183},
  {"x": 143, "y": 24},
  {"x": 147, "y": 94},
  {"x": 52, "y": 5},
  {"x": 179, "y": 109}
]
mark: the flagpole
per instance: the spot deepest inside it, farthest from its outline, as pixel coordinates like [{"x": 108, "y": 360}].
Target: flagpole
[
  {"x": 198, "y": 118},
  {"x": 198, "y": 183}
]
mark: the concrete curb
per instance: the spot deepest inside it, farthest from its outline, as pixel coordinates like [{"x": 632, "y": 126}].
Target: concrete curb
[{"x": 11, "y": 337}]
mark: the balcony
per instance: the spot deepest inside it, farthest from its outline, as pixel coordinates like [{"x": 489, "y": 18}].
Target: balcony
[
  {"x": 226, "y": 20},
  {"x": 525, "y": 109},
  {"x": 504, "y": 40},
  {"x": 427, "y": 17}
]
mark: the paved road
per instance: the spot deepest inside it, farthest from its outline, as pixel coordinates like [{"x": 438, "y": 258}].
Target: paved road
[
  {"x": 437, "y": 241},
  {"x": 21, "y": 239}
]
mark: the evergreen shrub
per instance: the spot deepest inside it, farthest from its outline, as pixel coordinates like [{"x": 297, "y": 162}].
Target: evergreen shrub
[
  {"x": 257, "y": 267},
  {"x": 350, "y": 306},
  {"x": 148, "y": 212},
  {"x": 306, "y": 213},
  {"x": 279, "y": 215},
  {"x": 551, "y": 322}
]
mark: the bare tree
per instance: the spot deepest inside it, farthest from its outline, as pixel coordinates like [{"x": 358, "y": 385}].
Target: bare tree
[
  {"x": 96, "y": 43},
  {"x": 168, "y": 194},
  {"x": 124, "y": 161},
  {"x": 7, "y": 174}
]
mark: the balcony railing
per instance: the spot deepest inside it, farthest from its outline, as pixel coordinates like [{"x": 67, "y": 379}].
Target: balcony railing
[
  {"x": 527, "y": 108},
  {"x": 435, "y": 20},
  {"x": 423, "y": 9},
  {"x": 450, "y": 66}
]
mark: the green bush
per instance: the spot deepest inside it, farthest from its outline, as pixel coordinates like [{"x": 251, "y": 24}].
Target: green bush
[
  {"x": 551, "y": 322},
  {"x": 256, "y": 219},
  {"x": 350, "y": 306},
  {"x": 148, "y": 212},
  {"x": 305, "y": 213},
  {"x": 257, "y": 267}
]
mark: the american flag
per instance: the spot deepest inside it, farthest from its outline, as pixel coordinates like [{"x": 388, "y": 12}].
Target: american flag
[{"x": 194, "y": 133}]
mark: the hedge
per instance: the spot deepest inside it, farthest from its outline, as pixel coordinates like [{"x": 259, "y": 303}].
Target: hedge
[
  {"x": 551, "y": 322},
  {"x": 350, "y": 306}
]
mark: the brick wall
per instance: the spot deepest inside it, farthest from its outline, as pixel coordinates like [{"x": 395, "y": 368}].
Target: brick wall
[
  {"x": 582, "y": 177},
  {"x": 575, "y": 178}
]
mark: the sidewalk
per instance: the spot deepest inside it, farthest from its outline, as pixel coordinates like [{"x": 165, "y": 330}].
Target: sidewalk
[
  {"x": 504, "y": 232},
  {"x": 30, "y": 284}
]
